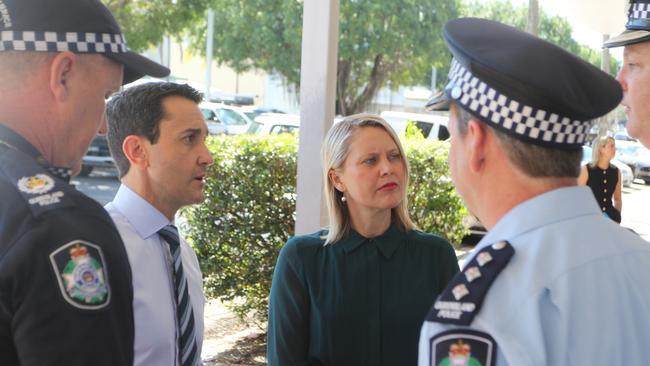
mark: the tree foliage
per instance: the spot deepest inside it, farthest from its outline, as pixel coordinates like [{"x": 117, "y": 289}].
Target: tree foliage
[
  {"x": 555, "y": 29},
  {"x": 379, "y": 41},
  {"x": 146, "y": 22}
]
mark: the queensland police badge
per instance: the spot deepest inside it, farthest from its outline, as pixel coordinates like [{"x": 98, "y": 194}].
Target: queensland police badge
[{"x": 81, "y": 273}]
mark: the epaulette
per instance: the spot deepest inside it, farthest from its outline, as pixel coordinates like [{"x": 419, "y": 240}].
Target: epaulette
[
  {"x": 462, "y": 299},
  {"x": 37, "y": 187}
]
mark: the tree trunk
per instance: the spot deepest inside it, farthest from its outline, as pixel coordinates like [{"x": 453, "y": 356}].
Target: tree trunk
[
  {"x": 533, "y": 17},
  {"x": 342, "y": 77},
  {"x": 359, "y": 103}
]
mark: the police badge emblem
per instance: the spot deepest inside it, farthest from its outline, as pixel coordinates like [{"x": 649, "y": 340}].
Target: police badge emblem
[
  {"x": 81, "y": 273},
  {"x": 462, "y": 347},
  {"x": 36, "y": 184}
]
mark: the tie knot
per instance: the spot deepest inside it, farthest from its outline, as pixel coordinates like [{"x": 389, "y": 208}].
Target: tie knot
[{"x": 170, "y": 234}]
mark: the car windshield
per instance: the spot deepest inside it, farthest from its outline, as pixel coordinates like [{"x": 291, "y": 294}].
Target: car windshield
[{"x": 231, "y": 117}]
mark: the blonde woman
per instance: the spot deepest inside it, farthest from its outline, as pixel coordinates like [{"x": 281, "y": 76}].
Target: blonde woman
[
  {"x": 604, "y": 178},
  {"x": 357, "y": 293}
]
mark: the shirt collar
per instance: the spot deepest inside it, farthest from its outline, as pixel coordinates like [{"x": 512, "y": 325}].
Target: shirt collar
[
  {"x": 554, "y": 206},
  {"x": 387, "y": 243},
  {"x": 145, "y": 218},
  {"x": 14, "y": 140}
]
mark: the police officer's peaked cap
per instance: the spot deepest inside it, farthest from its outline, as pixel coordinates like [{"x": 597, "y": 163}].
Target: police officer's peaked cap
[
  {"x": 80, "y": 26},
  {"x": 522, "y": 85},
  {"x": 637, "y": 28}
]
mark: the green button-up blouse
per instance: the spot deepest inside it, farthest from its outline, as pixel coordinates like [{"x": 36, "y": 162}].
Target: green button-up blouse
[{"x": 359, "y": 301}]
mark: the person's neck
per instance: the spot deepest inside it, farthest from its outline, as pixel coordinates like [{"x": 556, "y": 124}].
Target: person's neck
[
  {"x": 499, "y": 198},
  {"x": 603, "y": 164},
  {"x": 370, "y": 223},
  {"x": 144, "y": 188}
]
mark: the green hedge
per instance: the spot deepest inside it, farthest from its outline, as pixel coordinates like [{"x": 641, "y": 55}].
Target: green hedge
[{"x": 249, "y": 212}]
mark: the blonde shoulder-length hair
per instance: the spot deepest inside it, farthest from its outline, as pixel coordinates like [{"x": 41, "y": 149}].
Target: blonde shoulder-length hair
[
  {"x": 333, "y": 155},
  {"x": 598, "y": 144}
]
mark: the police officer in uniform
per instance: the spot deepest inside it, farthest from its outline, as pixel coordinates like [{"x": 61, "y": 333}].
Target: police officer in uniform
[
  {"x": 553, "y": 282},
  {"x": 634, "y": 75},
  {"x": 65, "y": 281}
]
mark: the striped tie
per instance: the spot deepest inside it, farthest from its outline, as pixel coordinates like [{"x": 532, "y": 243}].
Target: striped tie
[{"x": 184, "y": 313}]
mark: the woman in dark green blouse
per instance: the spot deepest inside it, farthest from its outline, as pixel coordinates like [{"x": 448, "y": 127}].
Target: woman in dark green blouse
[{"x": 357, "y": 293}]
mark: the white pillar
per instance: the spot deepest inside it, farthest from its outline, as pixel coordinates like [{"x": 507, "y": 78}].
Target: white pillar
[
  {"x": 208, "y": 54},
  {"x": 317, "y": 97}
]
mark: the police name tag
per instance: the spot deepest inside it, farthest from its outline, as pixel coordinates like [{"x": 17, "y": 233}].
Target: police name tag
[
  {"x": 81, "y": 273},
  {"x": 462, "y": 347}
]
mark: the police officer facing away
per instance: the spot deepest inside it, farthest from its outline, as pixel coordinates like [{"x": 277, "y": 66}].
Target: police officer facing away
[
  {"x": 554, "y": 282},
  {"x": 65, "y": 281},
  {"x": 634, "y": 76}
]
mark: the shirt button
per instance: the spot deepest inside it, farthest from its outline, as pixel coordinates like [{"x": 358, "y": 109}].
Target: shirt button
[
  {"x": 604, "y": 199},
  {"x": 605, "y": 190},
  {"x": 603, "y": 208},
  {"x": 604, "y": 180}
]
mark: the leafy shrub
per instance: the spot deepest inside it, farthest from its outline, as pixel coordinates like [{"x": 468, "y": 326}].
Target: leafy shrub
[{"x": 249, "y": 212}]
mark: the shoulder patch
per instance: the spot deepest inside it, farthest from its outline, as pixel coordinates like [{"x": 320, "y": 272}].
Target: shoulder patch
[
  {"x": 463, "y": 297},
  {"x": 81, "y": 273},
  {"x": 462, "y": 347},
  {"x": 40, "y": 191}
]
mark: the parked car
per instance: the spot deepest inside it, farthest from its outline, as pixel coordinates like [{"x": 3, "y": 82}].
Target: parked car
[
  {"x": 623, "y": 136},
  {"x": 626, "y": 171},
  {"x": 432, "y": 126},
  {"x": 215, "y": 126},
  {"x": 97, "y": 156},
  {"x": 626, "y": 152},
  {"x": 232, "y": 118},
  {"x": 274, "y": 123},
  {"x": 642, "y": 165}
]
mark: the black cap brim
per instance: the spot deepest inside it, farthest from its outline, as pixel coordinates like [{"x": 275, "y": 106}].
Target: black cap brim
[
  {"x": 630, "y": 36},
  {"x": 137, "y": 66},
  {"x": 438, "y": 102}
]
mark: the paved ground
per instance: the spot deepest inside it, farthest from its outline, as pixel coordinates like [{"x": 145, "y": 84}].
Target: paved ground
[{"x": 227, "y": 341}]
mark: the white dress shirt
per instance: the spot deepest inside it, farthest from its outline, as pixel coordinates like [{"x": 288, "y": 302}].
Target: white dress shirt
[{"x": 154, "y": 305}]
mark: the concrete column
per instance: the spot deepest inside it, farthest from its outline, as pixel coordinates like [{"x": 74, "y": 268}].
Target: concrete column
[{"x": 317, "y": 97}]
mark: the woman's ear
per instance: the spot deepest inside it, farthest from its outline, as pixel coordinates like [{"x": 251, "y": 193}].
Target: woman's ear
[{"x": 336, "y": 180}]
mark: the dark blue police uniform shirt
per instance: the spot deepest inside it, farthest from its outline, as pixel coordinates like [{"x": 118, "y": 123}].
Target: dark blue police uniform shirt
[{"x": 65, "y": 280}]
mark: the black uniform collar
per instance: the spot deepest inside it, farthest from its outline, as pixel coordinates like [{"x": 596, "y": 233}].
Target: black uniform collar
[
  {"x": 387, "y": 242},
  {"x": 13, "y": 140}
]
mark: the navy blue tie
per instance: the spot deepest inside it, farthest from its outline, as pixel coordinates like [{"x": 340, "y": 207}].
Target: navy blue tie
[{"x": 188, "y": 349}]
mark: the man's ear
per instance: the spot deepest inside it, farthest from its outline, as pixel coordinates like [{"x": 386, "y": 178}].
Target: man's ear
[
  {"x": 476, "y": 139},
  {"x": 62, "y": 68},
  {"x": 136, "y": 149},
  {"x": 336, "y": 180}
]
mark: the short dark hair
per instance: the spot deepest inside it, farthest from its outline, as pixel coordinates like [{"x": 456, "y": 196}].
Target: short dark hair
[
  {"x": 534, "y": 160},
  {"x": 138, "y": 111}
]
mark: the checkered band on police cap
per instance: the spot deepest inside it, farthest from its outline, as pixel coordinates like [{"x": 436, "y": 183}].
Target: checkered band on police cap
[
  {"x": 80, "y": 42},
  {"x": 639, "y": 10},
  {"x": 510, "y": 115}
]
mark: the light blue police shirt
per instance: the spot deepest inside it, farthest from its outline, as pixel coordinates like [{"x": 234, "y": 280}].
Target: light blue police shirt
[{"x": 575, "y": 292}]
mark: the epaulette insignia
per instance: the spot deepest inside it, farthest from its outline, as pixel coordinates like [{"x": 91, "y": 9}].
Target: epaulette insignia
[
  {"x": 463, "y": 297},
  {"x": 39, "y": 189},
  {"x": 462, "y": 347}
]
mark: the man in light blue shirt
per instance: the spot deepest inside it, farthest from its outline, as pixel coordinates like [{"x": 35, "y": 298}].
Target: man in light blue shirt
[
  {"x": 157, "y": 137},
  {"x": 553, "y": 282}
]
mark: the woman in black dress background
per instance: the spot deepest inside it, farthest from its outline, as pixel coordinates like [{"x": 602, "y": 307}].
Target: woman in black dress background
[{"x": 604, "y": 178}]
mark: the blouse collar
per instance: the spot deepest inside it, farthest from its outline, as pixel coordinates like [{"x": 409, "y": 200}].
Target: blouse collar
[{"x": 387, "y": 243}]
